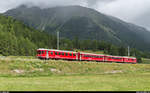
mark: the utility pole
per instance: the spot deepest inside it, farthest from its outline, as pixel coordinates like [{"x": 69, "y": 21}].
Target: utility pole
[
  {"x": 58, "y": 35},
  {"x": 128, "y": 51},
  {"x": 58, "y": 39}
]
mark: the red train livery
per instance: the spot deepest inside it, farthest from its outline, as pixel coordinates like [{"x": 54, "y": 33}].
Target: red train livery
[{"x": 80, "y": 56}]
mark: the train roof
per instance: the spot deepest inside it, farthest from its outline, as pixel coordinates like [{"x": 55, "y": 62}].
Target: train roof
[
  {"x": 55, "y": 50},
  {"x": 120, "y": 56},
  {"x": 92, "y": 53},
  {"x": 107, "y": 55}
]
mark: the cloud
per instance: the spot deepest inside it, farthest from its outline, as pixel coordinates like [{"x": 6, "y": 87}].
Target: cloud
[
  {"x": 126, "y": 9},
  {"x": 134, "y": 11},
  {"x": 8, "y": 4},
  {"x": 129, "y": 10}
]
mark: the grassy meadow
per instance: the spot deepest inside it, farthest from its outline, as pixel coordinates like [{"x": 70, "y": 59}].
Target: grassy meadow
[{"x": 32, "y": 74}]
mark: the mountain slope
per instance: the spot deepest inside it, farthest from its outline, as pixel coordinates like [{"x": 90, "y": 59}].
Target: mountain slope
[
  {"x": 18, "y": 39},
  {"x": 84, "y": 23}
]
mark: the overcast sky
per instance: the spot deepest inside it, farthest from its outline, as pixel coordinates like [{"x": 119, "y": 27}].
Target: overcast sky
[{"x": 134, "y": 11}]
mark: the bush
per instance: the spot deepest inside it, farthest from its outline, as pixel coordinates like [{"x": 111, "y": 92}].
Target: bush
[{"x": 139, "y": 59}]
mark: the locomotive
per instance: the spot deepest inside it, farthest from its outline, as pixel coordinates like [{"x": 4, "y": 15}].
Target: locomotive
[{"x": 81, "y": 56}]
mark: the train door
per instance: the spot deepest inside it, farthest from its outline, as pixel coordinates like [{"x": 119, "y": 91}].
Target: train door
[
  {"x": 79, "y": 56},
  {"x": 104, "y": 58},
  {"x": 47, "y": 55},
  {"x": 76, "y": 56}
]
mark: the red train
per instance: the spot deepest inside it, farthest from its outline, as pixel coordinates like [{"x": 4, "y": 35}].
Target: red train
[{"x": 80, "y": 56}]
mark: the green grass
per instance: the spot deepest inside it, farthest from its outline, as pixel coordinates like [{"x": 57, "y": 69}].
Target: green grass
[
  {"x": 116, "y": 82},
  {"x": 60, "y": 75}
]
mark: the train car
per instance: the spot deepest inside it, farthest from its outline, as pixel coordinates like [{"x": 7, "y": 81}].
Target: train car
[
  {"x": 91, "y": 57},
  {"x": 110, "y": 58},
  {"x": 70, "y": 55},
  {"x": 130, "y": 60},
  {"x": 56, "y": 54}
]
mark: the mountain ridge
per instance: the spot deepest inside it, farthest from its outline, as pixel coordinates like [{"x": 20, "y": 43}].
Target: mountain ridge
[{"x": 84, "y": 23}]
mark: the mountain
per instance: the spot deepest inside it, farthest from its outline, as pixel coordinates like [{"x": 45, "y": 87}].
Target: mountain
[{"x": 84, "y": 23}]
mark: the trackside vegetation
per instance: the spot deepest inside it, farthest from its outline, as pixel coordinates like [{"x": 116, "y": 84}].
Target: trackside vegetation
[
  {"x": 24, "y": 66},
  {"x": 31, "y": 74}
]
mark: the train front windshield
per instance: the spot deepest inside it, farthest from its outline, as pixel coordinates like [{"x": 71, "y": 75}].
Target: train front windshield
[{"x": 39, "y": 52}]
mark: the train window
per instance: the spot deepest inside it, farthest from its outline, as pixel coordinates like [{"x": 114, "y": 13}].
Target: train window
[
  {"x": 132, "y": 59},
  {"x": 114, "y": 58},
  {"x": 55, "y": 53},
  {"x": 74, "y": 55},
  {"x": 43, "y": 52},
  {"x": 59, "y": 53},
  {"x": 51, "y": 53},
  {"x": 117, "y": 58},
  {"x": 62, "y": 53},
  {"x": 39, "y": 52},
  {"x": 110, "y": 57},
  {"x": 100, "y": 57},
  {"x": 70, "y": 54},
  {"x": 86, "y": 56},
  {"x": 66, "y": 54}
]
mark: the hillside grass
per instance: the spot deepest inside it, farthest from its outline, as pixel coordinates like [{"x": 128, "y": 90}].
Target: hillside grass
[
  {"x": 31, "y": 74},
  {"x": 31, "y": 66}
]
